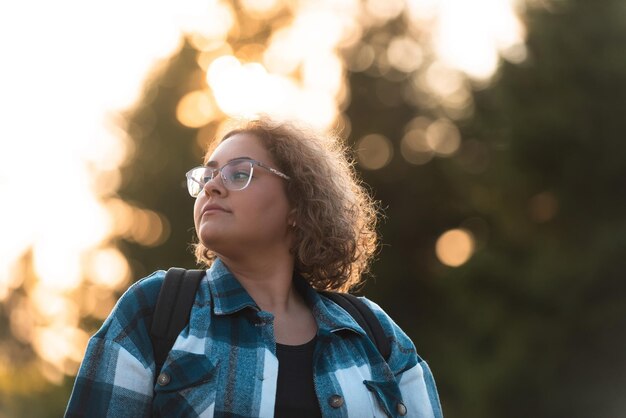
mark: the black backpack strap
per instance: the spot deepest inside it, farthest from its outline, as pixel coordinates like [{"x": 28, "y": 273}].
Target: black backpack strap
[
  {"x": 364, "y": 316},
  {"x": 171, "y": 313}
]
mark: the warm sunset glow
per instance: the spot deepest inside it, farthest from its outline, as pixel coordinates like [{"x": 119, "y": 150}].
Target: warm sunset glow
[
  {"x": 244, "y": 90},
  {"x": 467, "y": 39},
  {"x": 299, "y": 74},
  {"x": 470, "y": 34},
  {"x": 210, "y": 19},
  {"x": 60, "y": 153},
  {"x": 247, "y": 89},
  {"x": 261, "y": 8},
  {"x": 108, "y": 268},
  {"x": 62, "y": 146},
  {"x": 60, "y": 345}
]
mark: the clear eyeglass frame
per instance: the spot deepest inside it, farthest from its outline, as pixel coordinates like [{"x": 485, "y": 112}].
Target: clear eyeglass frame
[{"x": 236, "y": 175}]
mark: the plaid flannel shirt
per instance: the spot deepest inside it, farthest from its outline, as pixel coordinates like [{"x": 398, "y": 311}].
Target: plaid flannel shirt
[{"x": 224, "y": 362}]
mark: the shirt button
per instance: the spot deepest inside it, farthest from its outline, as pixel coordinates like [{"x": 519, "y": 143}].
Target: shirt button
[
  {"x": 163, "y": 379},
  {"x": 401, "y": 409},
  {"x": 335, "y": 401}
]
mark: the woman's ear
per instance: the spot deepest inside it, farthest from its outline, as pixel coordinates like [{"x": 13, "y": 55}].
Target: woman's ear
[{"x": 291, "y": 218}]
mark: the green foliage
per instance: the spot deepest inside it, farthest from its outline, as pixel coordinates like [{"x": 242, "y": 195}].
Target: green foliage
[
  {"x": 533, "y": 324},
  {"x": 30, "y": 395},
  {"x": 163, "y": 151}
]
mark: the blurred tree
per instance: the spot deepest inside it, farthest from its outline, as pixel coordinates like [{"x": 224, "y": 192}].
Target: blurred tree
[
  {"x": 531, "y": 325},
  {"x": 162, "y": 152}
]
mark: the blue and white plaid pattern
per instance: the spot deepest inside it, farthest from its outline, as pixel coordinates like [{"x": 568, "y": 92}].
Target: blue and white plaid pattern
[{"x": 224, "y": 362}]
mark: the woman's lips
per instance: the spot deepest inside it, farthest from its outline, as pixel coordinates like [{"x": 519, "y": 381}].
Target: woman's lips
[
  {"x": 212, "y": 211},
  {"x": 212, "y": 208}
]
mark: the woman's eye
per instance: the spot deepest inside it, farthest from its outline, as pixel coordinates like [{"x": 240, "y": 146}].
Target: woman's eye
[{"x": 240, "y": 175}]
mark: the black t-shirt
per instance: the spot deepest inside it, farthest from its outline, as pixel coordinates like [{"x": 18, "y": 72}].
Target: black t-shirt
[{"x": 295, "y": 392}]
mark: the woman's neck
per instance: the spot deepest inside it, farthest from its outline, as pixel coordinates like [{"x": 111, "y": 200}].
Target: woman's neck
[{"x": 268, "y": 280}]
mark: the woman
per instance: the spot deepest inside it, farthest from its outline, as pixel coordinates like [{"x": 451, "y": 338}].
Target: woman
[{"x": 279, "y": 214}]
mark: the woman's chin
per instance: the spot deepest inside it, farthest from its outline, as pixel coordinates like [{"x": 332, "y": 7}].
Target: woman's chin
[
  {"x": 209, "y": 241},
  {"x": 209, "y": 233}
]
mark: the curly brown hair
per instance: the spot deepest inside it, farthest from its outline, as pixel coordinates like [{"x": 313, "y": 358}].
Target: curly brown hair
[{"x": 335, "y": 233}]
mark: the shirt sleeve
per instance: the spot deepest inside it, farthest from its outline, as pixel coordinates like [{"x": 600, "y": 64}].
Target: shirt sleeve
[
  {"x": 116, "y": 376},
  {"x": 416, "y": 381},
  {"x": 111, "y": 383}
]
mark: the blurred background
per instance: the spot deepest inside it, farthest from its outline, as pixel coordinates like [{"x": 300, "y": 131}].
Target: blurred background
[{"x": 491, "y": 131}]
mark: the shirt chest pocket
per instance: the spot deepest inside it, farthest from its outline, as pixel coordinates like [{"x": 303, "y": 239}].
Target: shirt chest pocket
[
  {"x": 186, "y": 387},
  {"x": 388, "y": 397}
]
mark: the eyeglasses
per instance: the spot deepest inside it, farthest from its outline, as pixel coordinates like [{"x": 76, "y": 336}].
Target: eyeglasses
[{"x": 235, "y": 174}]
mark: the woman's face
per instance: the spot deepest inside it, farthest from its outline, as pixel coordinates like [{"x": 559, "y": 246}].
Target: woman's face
[{"x": 230, "y": 223}]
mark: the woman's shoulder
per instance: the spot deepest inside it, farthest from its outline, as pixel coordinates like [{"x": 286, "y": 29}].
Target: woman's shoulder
[
  {"x": 417, "y": 383},
  {"x": 127, "y": 328},
  {"x": 142, "y": 294},
  {"x": 148, "y": 285},
  {"x": 385, "y": 319},
  {"x": 134, "y": 308},
  {"x": 403, "y": 352}
]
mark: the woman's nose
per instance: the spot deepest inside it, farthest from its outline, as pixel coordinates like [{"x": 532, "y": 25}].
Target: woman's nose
[{"x": 215, "y": 186}]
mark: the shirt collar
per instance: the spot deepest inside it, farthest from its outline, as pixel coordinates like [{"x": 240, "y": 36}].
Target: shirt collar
[
  {"x": 329, "y": 316},
  {"x": 227, "y": 293},
  {"x": 229, "y": 296}
]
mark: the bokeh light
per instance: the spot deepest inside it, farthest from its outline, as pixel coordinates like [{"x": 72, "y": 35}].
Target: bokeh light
[
  {"x": 374, "y": 151},
  {"x": 443, "y": 137},
  {"x": 455, "y": 247},
  {"x": 470, "y": 35},
  {"x": 261, "y": 8},
  {"x": 414, "y": 147},
  {"x": 196, "y": 109},
  {"x": 543, "y": 207},
  {"x": 207, "y": 20}
]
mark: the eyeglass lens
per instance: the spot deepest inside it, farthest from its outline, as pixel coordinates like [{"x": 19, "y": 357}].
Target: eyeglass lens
[{"x": 235, "y": 176}]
